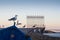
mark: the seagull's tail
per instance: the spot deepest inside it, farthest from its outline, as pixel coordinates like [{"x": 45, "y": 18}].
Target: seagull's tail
[{"x": 9, "y": 19}]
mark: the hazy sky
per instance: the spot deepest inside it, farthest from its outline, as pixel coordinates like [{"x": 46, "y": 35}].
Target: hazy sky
[{"x": 50, "y": 9}]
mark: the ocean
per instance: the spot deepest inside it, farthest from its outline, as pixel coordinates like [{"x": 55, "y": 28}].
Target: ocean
[{"x": 52, "y": 34}]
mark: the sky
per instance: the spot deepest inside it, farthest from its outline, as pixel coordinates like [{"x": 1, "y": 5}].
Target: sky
[{"x": 50, "y": 9}]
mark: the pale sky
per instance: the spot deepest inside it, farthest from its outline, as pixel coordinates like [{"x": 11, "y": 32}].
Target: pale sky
[{"x": 50, "y": 9}]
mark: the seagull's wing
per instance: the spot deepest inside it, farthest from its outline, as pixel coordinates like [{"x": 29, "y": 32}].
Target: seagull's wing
[{"x": 12, "y": 19}]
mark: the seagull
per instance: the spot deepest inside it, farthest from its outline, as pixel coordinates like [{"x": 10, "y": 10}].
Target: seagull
[{"x": 13, "y": 19}]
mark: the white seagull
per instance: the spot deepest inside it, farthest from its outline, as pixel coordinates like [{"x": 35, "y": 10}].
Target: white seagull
[{"x": 14, "y": 18}]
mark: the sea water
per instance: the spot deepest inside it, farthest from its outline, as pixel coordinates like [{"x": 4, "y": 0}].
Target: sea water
[{"x": 52, "y": 34}]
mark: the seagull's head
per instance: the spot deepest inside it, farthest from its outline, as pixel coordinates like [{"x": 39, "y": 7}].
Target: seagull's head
[{"x": 16, "y": 15}]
